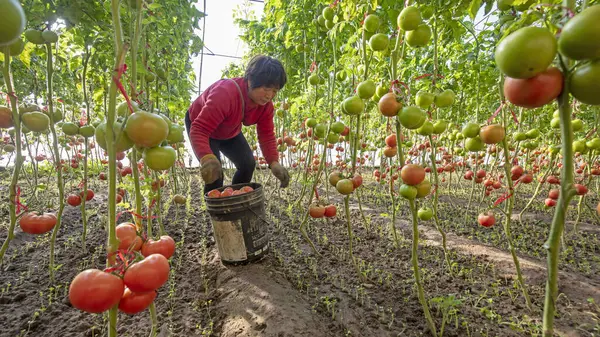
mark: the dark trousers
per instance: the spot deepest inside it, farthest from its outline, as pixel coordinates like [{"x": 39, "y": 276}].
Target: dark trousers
[{"x": 235, "y": 149}]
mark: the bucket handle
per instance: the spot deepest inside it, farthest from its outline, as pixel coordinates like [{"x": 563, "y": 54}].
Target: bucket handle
[{"x": 258, "y": 216}]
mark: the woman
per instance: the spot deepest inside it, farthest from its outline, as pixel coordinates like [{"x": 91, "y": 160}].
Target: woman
[{"x": 214, "y": 123}]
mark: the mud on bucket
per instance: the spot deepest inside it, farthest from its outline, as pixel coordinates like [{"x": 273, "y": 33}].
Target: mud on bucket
[{"x": 239, "y": 224}]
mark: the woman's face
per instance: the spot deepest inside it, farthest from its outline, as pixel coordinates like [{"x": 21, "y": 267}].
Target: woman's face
[{"x": 261, "y": 95}]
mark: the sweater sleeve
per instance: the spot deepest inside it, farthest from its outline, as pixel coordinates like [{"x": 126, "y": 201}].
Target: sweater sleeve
[
  {"x": 213, "y": 113},
  {"x": 265, "y": 130}
]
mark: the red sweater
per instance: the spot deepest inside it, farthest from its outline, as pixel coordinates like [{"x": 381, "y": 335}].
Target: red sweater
[{"x": 217, "y": 114}]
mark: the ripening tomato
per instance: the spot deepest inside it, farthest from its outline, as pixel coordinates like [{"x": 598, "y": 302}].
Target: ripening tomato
[
  {"x": 412, "y": 174},
  {"x": 88, "y": 196},
  {"x": 549, "y": 202},
  {"x": 316, "y": 211},
  {"x": 128, "y": 237},
  {"x": 330, "y": 211},
  {"x": 73, "y": 200},
  {"x": 581, "y": 189},
  {"x": 357, "y": 181},
  {"x": 95, "y": 291},
  {"x": 345, "y": 186},
  {"x": 536, "y": 91},
  {"x": 391, "y": 140},
  {"x": 147, "y": 275},
  {"x": 133, "y": 303},
  {"x": 486, "y": 219},
  {"x": 164, "y": 246},
  {"x": 33, "y": 223}
]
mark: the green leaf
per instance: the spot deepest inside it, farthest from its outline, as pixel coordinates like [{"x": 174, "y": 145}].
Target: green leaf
[
  {"x": 474, "y": 8},
  {"x": 374, "y": 4}
]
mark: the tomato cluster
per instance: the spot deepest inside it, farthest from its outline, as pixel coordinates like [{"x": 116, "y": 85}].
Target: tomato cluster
[
  {"x": 96, "y": 291},
  {"x": 229, "y": 191}
]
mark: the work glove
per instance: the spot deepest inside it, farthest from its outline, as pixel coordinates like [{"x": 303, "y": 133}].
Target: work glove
[
  {"x": 280, "y": 173},
  {"x": 210, "y": 168}
]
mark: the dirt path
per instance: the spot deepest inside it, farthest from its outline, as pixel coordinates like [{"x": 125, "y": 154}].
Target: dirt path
[{"x": 259, "y": 301}]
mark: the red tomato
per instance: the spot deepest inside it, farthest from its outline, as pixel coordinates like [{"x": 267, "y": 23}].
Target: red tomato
[
  {"x": 246, "y": 189},
  {"x": 536, "y": 91},
  {"x": 33, "y": 223},
  {"x": 486, "y": 219},
  {"x": 552, "y": 180},
  {"x": 119, "y": 198},
  {"x": 214, "y": 194},
  {"x": 481, "y": 174},
  {"x": 128, "y": 237},
  {"x": 164, "y": 246},
  {"x": 527, "y": 178},
  {"x": 357, "y": 180},
  {"x": 102, "y": 176},
  {"x": 516, "y": 172},
  {"x": 550, "y": 202},
  {"x": 469, "y": 175},
  {"x": 147, "y": 275},
  {"x": 95, "y": 291},
  {"x": 553, "y": 194},
  {"x": 133, "y": 303},
  {"x": 120, "y": 155},
  {"x": 330, "y": 211},
  {"x": 581, "y": 189},
  {"x": 73, "y": 200},
  {"x": 88, "y": 196}
]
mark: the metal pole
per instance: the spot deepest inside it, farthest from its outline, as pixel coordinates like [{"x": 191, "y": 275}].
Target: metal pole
[{"x": 202, "y": 51}]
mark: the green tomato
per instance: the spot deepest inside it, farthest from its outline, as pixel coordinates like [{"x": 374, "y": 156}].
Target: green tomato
[
  {"x": 419, "y": 37},
  {"x": 424, "y": 99},
  {"x": 320, "y": 130},
  {"x": 470, "y": 130},
  {"x": 579, "y": 146},
  {"x": 439, "y": 127},
  {"x": 311, "y": 122},
  {"x": 526, "y": 52},
  {"x": 353, "y": 105},
  {"x": 412, "y": 117},
  {"x": 580, "y": 37},
  {"x": 372, "y": 23},
  {"x": 12, "y": 23},
  {"x": 36, "y": 121},
  {"x": 409, "y": 18},
  {"x": 519, "y": 136},
  {"x": 445, "y": 98},
  {"x": 474, "y": 144},
  {"x": 337, "y": 127},
  {"x": 408, "y": 192},
  {"x": 576, "y": 125},
  {"x": 425, "y": 213},
  {"x": 585, "y": 82},
  {"x": 532, "y": 134},
  {"x": 160, "y": 158},
  {"x": 426, "y": 129},
  {"x": 366, "y": 89},
  {"x": 593, "y": 144}
]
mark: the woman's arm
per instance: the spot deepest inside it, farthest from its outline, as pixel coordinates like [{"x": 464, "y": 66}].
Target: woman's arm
[
  {"x": 265, "y": 130},
  {"x": 215, "y": 110}
]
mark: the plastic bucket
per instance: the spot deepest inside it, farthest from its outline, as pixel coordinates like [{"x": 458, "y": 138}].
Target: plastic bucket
[{"x": 238, "y": 224}]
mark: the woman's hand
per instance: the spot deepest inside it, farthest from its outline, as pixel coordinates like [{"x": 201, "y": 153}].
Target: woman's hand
[
  {"x": 211, "y": 168},
  {"x": 280, "y": 173}
]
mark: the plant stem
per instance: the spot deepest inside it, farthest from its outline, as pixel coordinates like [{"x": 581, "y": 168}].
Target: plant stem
[
  {"x": 415, "y": 264},
  {"x": 59, "y": 168},
  {"x": 567, "y": 192},
  {"x": 8, "y": 79}
]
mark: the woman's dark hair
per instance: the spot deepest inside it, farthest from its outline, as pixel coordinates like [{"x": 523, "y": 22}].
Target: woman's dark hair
[{"x": 265, "y": 71}]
